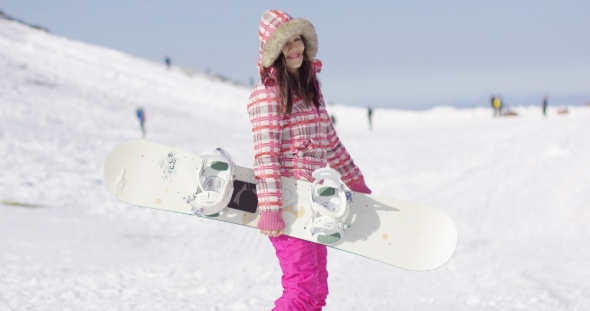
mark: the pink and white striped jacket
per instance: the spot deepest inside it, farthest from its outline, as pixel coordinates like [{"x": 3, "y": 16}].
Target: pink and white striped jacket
[{"x": 292, "y": 145}]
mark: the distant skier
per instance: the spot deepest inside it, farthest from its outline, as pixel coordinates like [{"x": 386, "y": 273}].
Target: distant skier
[
  {"x": 497, "y": 104},
  {"x": 141, "y": 116},
  {"x": 370, "y": 116},
  {"x": 492, "y": 103},
  {"x": 168, "y": 62},
  {"x": 545, "y": 104}
]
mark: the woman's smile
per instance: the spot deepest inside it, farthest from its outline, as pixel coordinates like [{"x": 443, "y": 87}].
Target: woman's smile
[{"x": 294, "y": 56}]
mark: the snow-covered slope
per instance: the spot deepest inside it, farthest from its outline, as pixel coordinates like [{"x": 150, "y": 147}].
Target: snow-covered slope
[{"x": 517, "y": 188}]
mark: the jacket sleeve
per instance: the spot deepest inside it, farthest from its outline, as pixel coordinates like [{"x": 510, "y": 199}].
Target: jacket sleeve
[
  {"x": 266, "y": 120},
  {"x": 338, "y": 158}
]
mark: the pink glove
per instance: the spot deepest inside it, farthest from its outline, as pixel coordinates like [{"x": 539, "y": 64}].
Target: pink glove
[
  {"x": 271, "y": 220},
  {"x": 361, "y": 187}
]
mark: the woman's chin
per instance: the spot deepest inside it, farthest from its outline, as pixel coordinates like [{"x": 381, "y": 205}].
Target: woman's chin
[{"x": 294, "y": 65}]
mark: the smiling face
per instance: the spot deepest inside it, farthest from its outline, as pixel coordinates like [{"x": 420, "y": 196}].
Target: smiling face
[{"x": 293, "y": 52}]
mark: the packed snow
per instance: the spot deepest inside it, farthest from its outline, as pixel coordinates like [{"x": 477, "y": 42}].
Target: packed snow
[{"x": 518, "y": 189}]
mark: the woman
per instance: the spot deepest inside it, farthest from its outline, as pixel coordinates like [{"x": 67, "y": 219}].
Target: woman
[{"x": 293, "y": 136}]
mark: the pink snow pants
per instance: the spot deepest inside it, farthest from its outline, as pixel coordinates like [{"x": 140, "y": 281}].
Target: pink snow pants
[{"x": 305, "y": 278}]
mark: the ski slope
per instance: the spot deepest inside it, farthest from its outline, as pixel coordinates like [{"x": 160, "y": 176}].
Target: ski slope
[{"x": 517, "y": 188}]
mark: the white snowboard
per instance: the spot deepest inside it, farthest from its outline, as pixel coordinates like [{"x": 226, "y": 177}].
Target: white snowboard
[{"x": 407, "y": 235}]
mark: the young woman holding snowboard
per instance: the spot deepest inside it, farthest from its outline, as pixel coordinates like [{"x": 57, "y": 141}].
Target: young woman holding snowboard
[{"x": 293, "y": 136}]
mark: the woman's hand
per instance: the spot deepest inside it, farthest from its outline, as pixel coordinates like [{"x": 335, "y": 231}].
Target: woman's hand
[
  {"x": 272, "y": 233},
  {"x": 271, "y": 223},
  {"x": 361, "y": 187}
]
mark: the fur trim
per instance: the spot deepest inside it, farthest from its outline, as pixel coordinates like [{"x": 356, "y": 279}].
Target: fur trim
[{"x": 297, "y": 26}]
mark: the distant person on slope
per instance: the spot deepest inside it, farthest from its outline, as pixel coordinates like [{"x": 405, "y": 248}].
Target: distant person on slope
[
  {"x": 141, "y": 116},
  {"x": 492, "y": 103},
  {"x": 545, "y": 103},
  {"x": 168, "y": 62},
  {"x": 370, "y": 115},
  {"x": 497, "y": 104},
  {"x": 293, "y": 136}
]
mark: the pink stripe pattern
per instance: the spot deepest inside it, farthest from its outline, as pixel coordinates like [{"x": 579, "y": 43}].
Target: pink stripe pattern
[{"x": 292, "y": 145}]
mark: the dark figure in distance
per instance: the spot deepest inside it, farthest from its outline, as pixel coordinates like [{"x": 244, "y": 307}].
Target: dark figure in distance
[
  {"x": 141, "y": 117},
  {"x": 545, "y": 104},
  {"x": 370, "y": 115}
]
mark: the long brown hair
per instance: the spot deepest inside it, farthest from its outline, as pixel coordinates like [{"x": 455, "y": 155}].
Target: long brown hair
[{"x": 304, "y": 85}]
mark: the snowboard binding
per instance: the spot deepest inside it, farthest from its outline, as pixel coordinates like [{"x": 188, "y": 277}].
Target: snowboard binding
[
  {"x": 330, "y": 206},
  {"x": 215, "y": 184}
]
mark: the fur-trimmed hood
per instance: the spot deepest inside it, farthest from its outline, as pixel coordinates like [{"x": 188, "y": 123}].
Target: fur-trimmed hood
[{"x": 276, "y": 28}]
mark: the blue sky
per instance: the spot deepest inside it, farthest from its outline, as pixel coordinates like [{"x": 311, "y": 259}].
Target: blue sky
[{"x": 380, "y": 53}]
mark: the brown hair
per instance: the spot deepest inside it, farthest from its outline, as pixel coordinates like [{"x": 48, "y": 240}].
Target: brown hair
[{"x": 305, "y": 85}]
